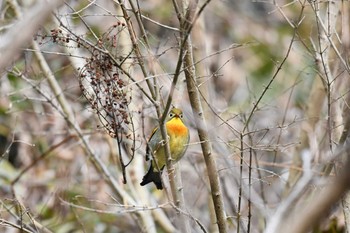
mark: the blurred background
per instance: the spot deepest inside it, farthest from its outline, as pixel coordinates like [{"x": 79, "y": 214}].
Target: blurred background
[{"x": 273, "y": 80}]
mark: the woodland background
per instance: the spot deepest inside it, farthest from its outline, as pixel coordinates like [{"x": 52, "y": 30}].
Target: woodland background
[{"x": 264, "y": 86}]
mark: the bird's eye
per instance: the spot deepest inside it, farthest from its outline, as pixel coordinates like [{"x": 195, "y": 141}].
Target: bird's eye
[
  {"x": 181, "y": 116},
  {"x": 171, "y": 115}
]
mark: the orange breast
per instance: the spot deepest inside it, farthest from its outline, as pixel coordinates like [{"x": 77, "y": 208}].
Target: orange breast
[{"x": 177, "y": 127}]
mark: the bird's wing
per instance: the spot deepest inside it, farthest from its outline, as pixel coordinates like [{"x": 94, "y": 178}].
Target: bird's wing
[{"x": 150, "y": 143}]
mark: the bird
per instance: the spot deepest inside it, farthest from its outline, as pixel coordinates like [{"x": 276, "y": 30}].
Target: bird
[{"x": 178, "y": 135}]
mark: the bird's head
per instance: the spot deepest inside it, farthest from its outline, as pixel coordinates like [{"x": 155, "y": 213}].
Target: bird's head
[{"x": 175, "y": 112}]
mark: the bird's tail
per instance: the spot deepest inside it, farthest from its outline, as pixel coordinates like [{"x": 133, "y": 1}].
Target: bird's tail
[{"x": 152, "y": 176}]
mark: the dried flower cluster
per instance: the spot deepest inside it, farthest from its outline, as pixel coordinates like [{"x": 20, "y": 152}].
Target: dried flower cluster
[
  {"x": 103, "y": 86},
  {"x": 58, "y": 36},
  {"x": 106, "y": 92},
  {"x": 101, "y": 77}
]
